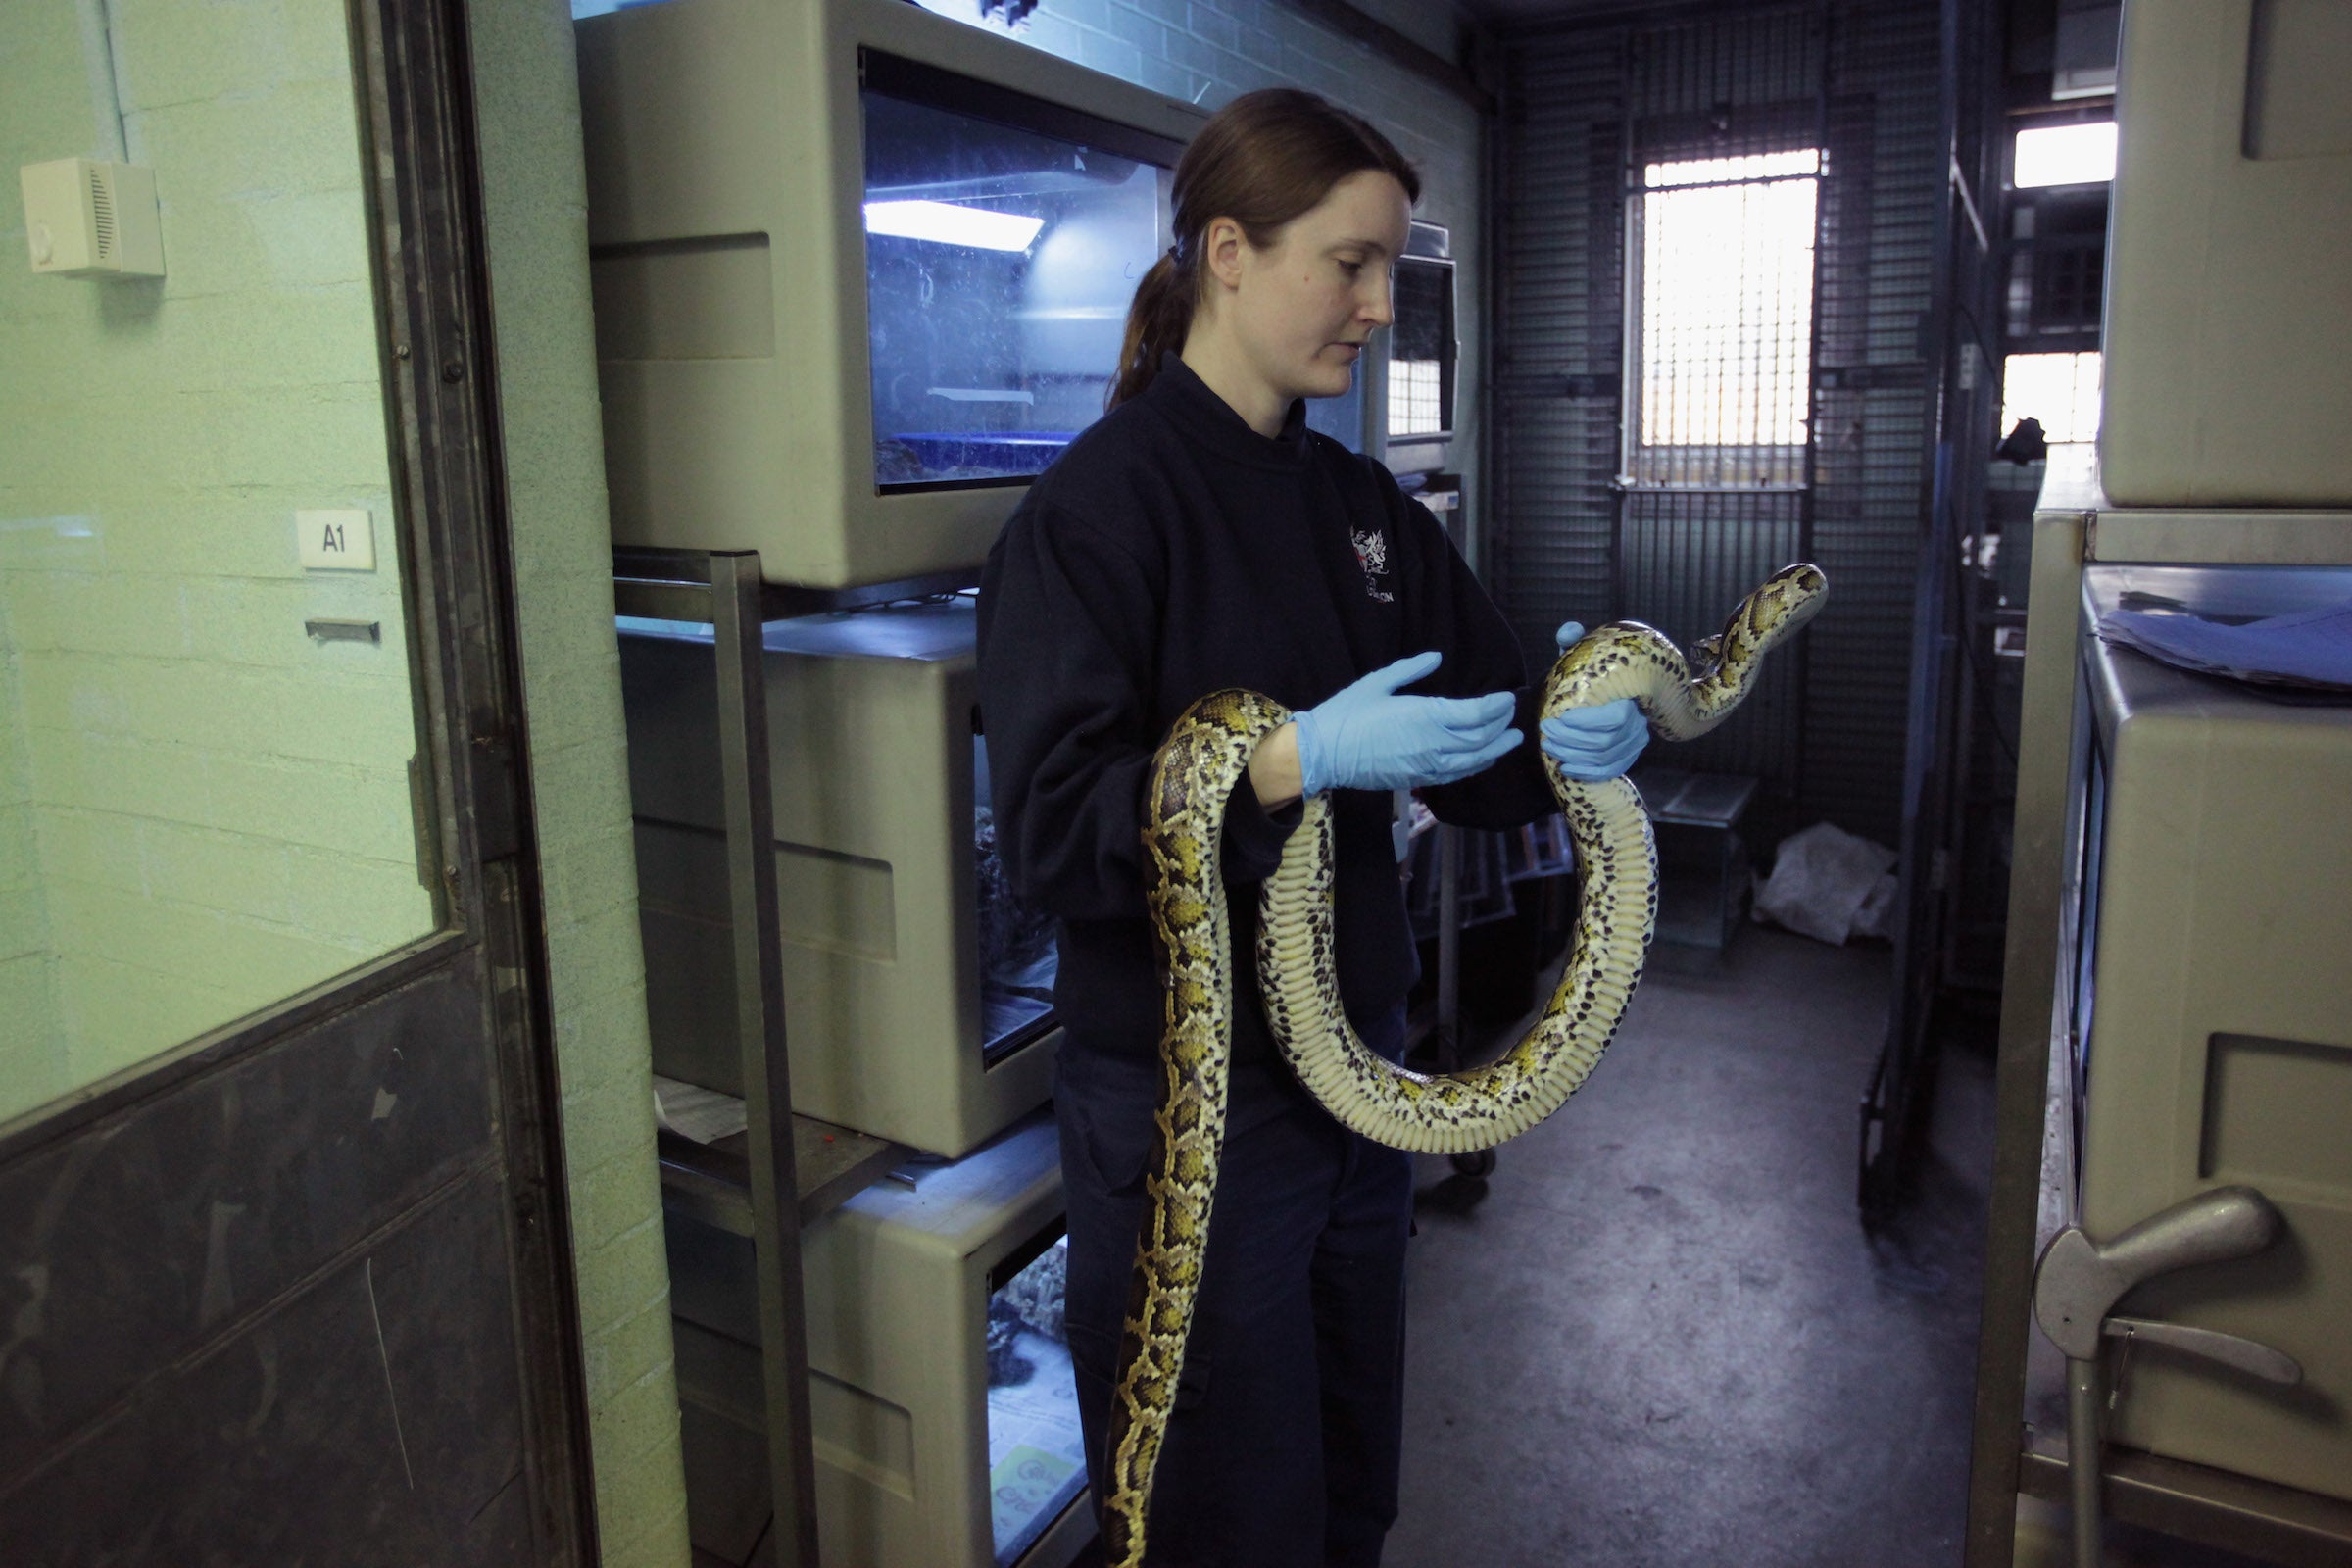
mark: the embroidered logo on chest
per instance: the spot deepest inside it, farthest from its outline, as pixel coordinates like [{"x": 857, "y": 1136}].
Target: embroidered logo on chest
[{"x": 1372, "y": 554}]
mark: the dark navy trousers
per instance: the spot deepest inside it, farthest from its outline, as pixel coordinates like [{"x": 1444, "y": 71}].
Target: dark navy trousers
[{"x": 1283, "y": 1449}]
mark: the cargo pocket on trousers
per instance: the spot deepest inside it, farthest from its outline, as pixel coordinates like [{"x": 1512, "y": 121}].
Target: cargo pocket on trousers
[{"x": 1107, "y": 1138}]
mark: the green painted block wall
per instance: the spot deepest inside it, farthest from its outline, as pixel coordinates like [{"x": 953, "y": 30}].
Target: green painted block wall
[
  {"x": 202, "y": 808},
  {"x": 28, "y": 1040},
  {"x": 534, "y": 190}
]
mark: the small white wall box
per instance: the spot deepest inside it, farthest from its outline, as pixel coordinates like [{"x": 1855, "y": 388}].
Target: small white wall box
[
  {"x": 917, "y": 990},
  {"x": 84, "y": 219},
  {"x": 2228, "y": 346},
  {"x": 2212, "y": 1007},
  {"x": 927, "y": 1456}
]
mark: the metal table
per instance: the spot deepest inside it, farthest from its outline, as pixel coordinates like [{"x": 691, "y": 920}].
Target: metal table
[{"x": 1695, "y": 821}]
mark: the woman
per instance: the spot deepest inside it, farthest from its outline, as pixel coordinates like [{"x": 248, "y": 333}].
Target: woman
[{"x": 1199, "y": 537}]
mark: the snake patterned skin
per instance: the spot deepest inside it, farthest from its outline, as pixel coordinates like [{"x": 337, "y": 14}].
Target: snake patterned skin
[{"x": 1205, "y": 756}]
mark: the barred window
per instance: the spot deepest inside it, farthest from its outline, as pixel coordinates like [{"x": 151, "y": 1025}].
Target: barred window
[
  {"x": 1726, "y": 318},
  {"x": 2061, "y": 390}
]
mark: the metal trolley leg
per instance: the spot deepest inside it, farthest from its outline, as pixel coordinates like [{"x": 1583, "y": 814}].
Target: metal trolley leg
[
  {"x": 2077, "y": 1283},
  {"x": 744, "y": 766}
]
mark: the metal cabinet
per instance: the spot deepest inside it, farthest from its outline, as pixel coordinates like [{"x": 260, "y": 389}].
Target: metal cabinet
[{"x": 2018, "y": 1446}]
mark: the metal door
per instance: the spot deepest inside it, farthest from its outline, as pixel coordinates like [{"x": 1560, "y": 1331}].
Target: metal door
[
  {"x": 1588, "y": 530},
  {"x": 298, "y": 1288},
  {"x": 1725, "y": 138}
]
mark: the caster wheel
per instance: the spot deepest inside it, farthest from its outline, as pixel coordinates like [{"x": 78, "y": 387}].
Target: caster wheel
[{"x": 1479, "y": 1162}]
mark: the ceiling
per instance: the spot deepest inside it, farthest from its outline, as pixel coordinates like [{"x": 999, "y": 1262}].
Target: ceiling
[
  {"x": 1507, "y": 14},
  {"x": 1511, "y": 12}
]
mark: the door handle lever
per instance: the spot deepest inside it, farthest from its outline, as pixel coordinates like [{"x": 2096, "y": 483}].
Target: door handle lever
[
  {"x": 2078, "y": 1281},
  {"x": 2229, "y": 1349}
]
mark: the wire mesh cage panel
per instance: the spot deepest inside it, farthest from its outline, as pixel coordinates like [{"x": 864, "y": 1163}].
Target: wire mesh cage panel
[
  {"x": 1703, "y": 70},
  {"x": 1723, "y": 167},
  {"x": 1685, "y": 561},
  {"x": 1720, "y": 251},
  {"x": 1557, "y": 360},
  {"x": 1872, "y": 439}
]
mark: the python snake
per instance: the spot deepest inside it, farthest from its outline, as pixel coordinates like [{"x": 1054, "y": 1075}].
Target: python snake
[{"x": 1206, "y": 754}]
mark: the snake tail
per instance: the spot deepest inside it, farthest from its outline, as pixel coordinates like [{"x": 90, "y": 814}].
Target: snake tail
[{"x": 1205, "y": 758}]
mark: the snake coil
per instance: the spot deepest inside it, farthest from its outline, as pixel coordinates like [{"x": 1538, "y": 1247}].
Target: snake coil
[{"x": 1205, "y": 754}]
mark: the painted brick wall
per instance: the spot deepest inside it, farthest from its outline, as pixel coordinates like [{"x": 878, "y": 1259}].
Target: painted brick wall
[
  {"x": 535, "y": 191},
  {"x": 200, "y": 808},
  {"x": 217, "y": 804},
  {"x": 28, "y": 1043},
  {"x": 1209, "y": 51}
]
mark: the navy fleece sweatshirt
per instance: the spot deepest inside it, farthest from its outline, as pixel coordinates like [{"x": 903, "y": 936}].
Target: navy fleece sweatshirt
[{"x": 1172, "y": 551}]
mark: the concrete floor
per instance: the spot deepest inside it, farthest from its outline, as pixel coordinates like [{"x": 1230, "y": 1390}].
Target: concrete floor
[{"x": 1658, "y": 1335}]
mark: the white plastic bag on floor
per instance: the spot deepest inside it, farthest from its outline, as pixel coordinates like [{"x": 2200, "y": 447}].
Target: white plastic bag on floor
[
  {"x": 1876, "y": 917},
  {"x": 1828, "y": 885}
]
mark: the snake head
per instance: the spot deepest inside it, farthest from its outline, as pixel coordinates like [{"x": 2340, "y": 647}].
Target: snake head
[
  {"x": 1772, "y": 613},
  {"x": 1802, "y": 577},
  {"x": 1626, "y": 658}
]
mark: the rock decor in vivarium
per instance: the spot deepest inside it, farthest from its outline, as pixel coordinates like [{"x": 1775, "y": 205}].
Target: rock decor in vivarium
[
  {"x": 999, "y": 265},
  {"x": 1036, "y": 1454}
]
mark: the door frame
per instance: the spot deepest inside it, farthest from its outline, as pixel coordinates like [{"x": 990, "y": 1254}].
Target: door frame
[{"x": 420, "y": 173}]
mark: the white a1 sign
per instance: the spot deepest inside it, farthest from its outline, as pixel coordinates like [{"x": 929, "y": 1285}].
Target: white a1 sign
[{"x": 342, "y": 539}]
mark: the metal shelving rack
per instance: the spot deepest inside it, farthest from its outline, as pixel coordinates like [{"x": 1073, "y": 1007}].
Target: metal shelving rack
[
  {"x": 2075, "y": 526},
  {"x": 783, "y": 1170}
]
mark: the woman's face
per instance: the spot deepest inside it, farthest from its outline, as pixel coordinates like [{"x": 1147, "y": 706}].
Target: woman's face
[{"x": 1302, "y": 308}]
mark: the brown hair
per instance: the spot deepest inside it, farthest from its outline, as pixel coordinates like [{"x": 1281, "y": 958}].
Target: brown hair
[{"x": 1263, "y": 160}]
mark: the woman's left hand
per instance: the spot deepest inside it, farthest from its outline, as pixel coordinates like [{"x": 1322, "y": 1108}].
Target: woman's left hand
[
  {"x": 1596, "y": 744},
  {"x": 1593, "y": 744}
]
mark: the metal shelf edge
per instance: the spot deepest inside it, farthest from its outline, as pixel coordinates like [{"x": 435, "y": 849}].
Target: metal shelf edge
[
  {"x": 711, "y": 1182},
  {"x": 2214, "y": 1507}
]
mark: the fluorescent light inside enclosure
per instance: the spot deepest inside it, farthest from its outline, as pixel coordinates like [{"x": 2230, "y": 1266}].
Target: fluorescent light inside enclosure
[
  {"x": 1727, "y": 315},
  {"x": 1751, "y": 166},
  {"x": 2065, "y": 155},
  {"x": 2061, "y": 390},
  {"x": 947, "y": 224}
]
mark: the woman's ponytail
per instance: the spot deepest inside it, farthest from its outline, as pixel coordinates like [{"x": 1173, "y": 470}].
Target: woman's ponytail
[
  {"x": 1261, "y": 161},
  {"x": 1157, "y": 320}
]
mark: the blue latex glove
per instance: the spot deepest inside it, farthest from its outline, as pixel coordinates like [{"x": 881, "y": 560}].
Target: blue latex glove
[
  {"x": 1366, "y": 737},
  {"x": 1597, "y": 743}
]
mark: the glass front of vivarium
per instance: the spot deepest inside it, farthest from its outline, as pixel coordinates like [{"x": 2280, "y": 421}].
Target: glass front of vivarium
[
  {"x": 1036, "y": 1454},
  {"x": 1017, "y": 953},
  {"x": 999, "y": 263}
]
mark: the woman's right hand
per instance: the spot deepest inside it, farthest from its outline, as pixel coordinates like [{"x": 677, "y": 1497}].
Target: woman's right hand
[{"x": 1366, "y": 737}]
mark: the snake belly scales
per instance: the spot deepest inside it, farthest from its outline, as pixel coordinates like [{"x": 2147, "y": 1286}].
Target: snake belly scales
[{"x": 1205, "y": 754}]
